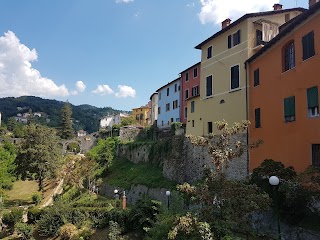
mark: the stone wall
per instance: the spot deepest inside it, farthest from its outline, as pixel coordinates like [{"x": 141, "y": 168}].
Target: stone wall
[{"x": 182, "y": 161}]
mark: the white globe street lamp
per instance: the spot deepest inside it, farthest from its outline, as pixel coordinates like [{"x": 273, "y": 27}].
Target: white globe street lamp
[
  {"x": 168, "y": 193},
  {"x": 274, "y": 182}
]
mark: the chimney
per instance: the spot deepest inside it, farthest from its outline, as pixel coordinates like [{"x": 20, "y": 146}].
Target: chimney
[
  {"x": 277, "y": 7},
  {"x": 312, "y": 2},
  {"x": 226, "y": 23}
]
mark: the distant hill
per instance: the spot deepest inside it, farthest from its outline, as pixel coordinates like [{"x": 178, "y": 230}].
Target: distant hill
[{"x": 85, "y": 116}]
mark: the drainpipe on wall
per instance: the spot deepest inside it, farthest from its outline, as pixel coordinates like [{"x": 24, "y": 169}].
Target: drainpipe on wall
[{"x": 247, "y": 117}]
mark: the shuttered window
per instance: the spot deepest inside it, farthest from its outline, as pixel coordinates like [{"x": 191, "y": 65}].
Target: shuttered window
[
  {"x": 316, "y": 155},
  {"x": 289, "y": 57},
  {"x": 257, "y": 118},
  {"x": 209, "y": 52},
  {"x": 289, "y": 109},
  {"x": 235, "y": 77},
  {"x": 229, "y": 42},
  {"x": 312, "y": 96},
  {"x": 209, "y": 86},
  {"x": 308, "y": 46},
  {"x": 256, "y": 80}
]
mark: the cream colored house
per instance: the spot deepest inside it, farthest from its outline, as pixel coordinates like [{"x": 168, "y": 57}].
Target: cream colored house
[{"x": 223, "y": 84}]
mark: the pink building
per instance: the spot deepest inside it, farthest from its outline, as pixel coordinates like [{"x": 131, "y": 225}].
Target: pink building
[{"x": 190, "y": 88}]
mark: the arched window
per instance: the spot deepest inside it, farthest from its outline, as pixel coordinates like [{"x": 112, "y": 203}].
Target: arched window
[{"x": 288, "y": 56}]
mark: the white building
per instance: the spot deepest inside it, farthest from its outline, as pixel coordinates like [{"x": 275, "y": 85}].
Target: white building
[{"x": 108, "y": 121}]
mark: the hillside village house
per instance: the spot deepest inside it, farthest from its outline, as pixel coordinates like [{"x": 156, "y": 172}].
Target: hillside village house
[
  {"x": 108, "y": 121},
  {"x": 142, "y": 115},
  {"x": 154, "y": 108},
  {"x": 169, "y": 104},
  {"x": 284, "y": 89},
  {"x": 190, "y": 98},
  {"x": 81, "y": 133},
  {"x": 223, "y": 83}
]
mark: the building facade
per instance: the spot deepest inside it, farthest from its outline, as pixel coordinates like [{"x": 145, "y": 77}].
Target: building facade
[
  {"x": 169, "y": 104},
  {"x": 154, "y": 108},
  {"x": 108, "y": 121},
  {"x": 142, "y": 115},
  {"x": 190, "y": 88},
  {"x": 284, "y": 102},
  {"x": 223, "y": 85}
]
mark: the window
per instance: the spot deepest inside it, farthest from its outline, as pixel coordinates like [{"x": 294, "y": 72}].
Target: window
[
  {"x": 209, "y": 127},
  {"x": 289, "y": 56},
  {"x": 175, "y": 88},
  {"x": 256, "y": 78},
  {"x": 159, "y": 110},
  {"x": 289, "y": 109},
  {"x": 316, "y": 155},
  {"x": 160, "y": 96},
  {"x": 257, "y": 118},
  {"x": 234, "y": 39},
  {"x": 137, "y": 117},
  {"x": 187, "y": 77},
  {"x": 259, "y": 37},
  {"x": 141, "y": 116},
  {"x": 308, "y": 45},
  {"x": 162, "y": 123},
  {"x": 195, "y": 72},
  {"x": 192, "y": 123},
  {"x": 209, "y": 86},
  {"x": 235, "y": 83},
  {"x": 186, "y": 93},
  {"x": 209, "y": 52},
  {"x": 168, "y": 91},
  {"x": 192, "y": 106},
  {"x": 171, "y": 120},
  {"x": 195, "y": 91},
  {"x": 287, "y": 17},
  {"x": 313, "y": 102},
  {"x": 167, "y": 107},
  {"x": 185, "y": 112},
  {"x": 175, "y": 104}
]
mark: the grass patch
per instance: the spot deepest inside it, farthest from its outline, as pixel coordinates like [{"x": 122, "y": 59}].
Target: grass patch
[
  {"x": 21, "y": 193},
  {"x": 124, "y": 173}
]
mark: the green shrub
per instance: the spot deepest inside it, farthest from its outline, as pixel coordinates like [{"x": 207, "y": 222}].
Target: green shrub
[
  {"x": 68, "y": 231},
  {"x": 37, "y": 198},
  {"x": 85, "y": 233},
  {"x": 34, "y": 214},
  {"x": 25, "y": 231},
  {"x": 50, "y": 222},
  {"x": 13, "y": 217},
  {"x": 114, "y": 231}
]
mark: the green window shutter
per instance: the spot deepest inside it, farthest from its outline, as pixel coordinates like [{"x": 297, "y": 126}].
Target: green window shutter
[
  {"x": 289, "y": 107},
  {"x": 312, "y": 96}
]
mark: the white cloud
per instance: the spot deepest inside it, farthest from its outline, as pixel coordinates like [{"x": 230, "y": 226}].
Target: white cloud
[
  {"x": 125, "y": 91},
  {"x": 218, "y": 10},
  {"x": 74, "y": 92},
  {"x": 17, "y": 76},
  {"x": 124, "y": 1},
  {"x": 80, "y": 86},
  {"x": 103, "y": 90}
]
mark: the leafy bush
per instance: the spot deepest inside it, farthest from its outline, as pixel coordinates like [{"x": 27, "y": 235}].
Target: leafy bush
[
  {"x": 13, "y": 217},
  {"x": 73, "y": 147},
  {"x": 114, "y": 231},
  {"x": 84, "y": 233},
  {"x": 50, "y": 222},
  {"x": 34, "y": 214},
  {"x": 37, "y": 198},
  {"x": 68, "y": 231},
  {"x": 25, "y": 231}
]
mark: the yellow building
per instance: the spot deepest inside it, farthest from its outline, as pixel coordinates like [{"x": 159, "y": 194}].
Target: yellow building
[
  {"x": 223, "y": 84},
  {"x": 142, "y": 115}
]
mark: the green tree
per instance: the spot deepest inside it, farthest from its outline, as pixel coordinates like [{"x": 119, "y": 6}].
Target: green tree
[
  {"x": 66, "y": 128},
  {"x": 39, "y": 153},
  {"x": 7, "y": 166}
]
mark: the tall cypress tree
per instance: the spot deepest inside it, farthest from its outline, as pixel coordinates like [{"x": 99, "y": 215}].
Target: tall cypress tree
[{"x": 67, "y": 131}]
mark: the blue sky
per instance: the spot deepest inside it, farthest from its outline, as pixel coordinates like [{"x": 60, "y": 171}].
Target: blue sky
[{"x": 107, "y": 52}]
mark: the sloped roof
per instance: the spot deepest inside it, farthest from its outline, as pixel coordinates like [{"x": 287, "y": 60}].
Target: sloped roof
[{"x": 244, "y": 17}]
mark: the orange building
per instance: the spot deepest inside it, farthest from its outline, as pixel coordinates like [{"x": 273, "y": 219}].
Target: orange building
[{"x": 284, "y": 78}]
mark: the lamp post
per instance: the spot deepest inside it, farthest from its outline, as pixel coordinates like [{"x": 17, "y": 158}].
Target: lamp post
[
  {"x": 168, "y": 193},
  {"x": 274, "y": 182}
]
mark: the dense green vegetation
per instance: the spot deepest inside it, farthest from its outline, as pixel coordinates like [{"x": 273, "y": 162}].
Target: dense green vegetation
[
  {"x": 124, "y": 173},
  {"x": 85, "y": 116}
]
